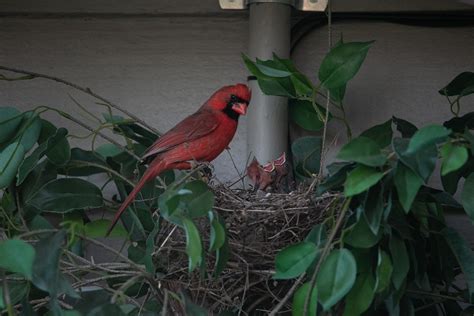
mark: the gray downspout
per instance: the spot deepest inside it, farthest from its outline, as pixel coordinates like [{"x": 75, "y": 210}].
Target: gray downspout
[{"x": 267, "y": 121}]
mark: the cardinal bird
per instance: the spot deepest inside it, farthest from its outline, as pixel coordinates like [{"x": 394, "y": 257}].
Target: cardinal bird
[{"x": 200, "y": 137}]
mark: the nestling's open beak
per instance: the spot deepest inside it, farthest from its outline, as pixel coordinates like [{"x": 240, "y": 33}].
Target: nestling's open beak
[{"x": 240, "y": 108}]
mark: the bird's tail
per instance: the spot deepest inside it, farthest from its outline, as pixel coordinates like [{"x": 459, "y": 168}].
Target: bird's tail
[{"x": 152, "y": 171}]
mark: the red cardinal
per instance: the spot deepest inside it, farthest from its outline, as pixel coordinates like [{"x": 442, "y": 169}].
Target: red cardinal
[{"x": 200, "y": 137}]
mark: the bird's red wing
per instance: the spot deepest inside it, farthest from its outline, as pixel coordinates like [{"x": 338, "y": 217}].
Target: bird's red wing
[{"x": 193, "y": 127}]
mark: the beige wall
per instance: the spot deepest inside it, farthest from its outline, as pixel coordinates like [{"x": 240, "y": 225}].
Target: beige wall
[{"x": 163, "y": 67}]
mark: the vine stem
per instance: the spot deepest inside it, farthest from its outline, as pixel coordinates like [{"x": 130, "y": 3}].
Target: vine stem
[
  {"x": 290, "y": 292},
  {"x": 325, "y": 252},
  {"x": 82, "y": 89},
  {"x": 326, "y": 115}
]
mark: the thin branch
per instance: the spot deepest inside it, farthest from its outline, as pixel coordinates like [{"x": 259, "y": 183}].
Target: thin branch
[
  {"x": 283, "y": 301},
  {"x": 77, "y": 87}
]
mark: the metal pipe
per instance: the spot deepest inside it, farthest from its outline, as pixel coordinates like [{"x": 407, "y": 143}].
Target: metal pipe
[{"x": 267, "y": 123}]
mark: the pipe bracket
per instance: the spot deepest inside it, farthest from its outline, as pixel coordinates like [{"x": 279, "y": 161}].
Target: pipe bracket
[{"x": 302, "y": 5}]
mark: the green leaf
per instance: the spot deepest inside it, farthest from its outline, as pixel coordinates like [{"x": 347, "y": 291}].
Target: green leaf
[
  {"x": 58, "y": 151},
  {"x": 363, "y": 150},
  {"x": 407, "y": 184},
  {"x": 422, "y": 162},
  {"x": 17, "y": 289},
  {"x": 150, "y": 247},
  {"x": 303, "y": 113},
  {"x": 454, "y": 157},
  {"x": 361, "y": 296},
  {"x": 317, "y": 235},
  {"x": 270, "y": 85},
  {"x": 464, "y": 256},
  {"x": 99, "y": 227},
  {"x": 299, "y": 300},
  {"x": 223, "y": 253},
  {"x": 67, "y": 194},
  {"x": 342, "y": 63},
  {"x": 374, "y": 208},
  {"x": 406, "y": 128},
  {"x": 336, "y": 277},
  {"x": 401, "y": 262},
  {"x": 361, "y": 179},
  {"x": 200, "y": 200},
  {"x": 17, "y": 256},
  {"x": 46, "y": 275},
  {"x": 10, "y": 118},
  {"x": 427, "y": 136},
  {"x": 462, "y": 84},
  {"x": 81, "y": 163},
  {"x": 293, "y": 260},
  {"x": 381, "y": 134},
  {"x": 28, "y": 164},
  {"x": 467, "y": 196},
  {"x": 10, "y": 159},
  {"x": 307, "y": 154},
  {"x": 336, "y": 179},
  {"x": 29, "y": 131},
  {"x": 361, "y": 236},
  {"x": 218, "y": 235},
  {"x": 383, "y": 271},
  {"x": 108, "y": 150},
  {"x": 271, "y": 68},
  {"x": 193, "y": 243},
  {"x": 459, "y": 124}
]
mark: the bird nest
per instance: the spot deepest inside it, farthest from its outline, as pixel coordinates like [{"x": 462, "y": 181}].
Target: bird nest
[{"x": 258, "y": 227}]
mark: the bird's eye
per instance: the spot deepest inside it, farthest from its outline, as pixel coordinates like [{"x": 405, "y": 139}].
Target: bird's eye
[{"x": 233, "y": 98}]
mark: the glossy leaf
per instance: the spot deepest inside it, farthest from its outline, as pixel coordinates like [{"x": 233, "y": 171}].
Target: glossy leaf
[
  {"x": 83, "y": 163},
  {"x": 317, "y": 235},
  {"x": 30, "y": 162},
  {"x": 17, "y": 256},
  {"x": 293, "y": 260},
  {"x": 222, "y": 254},
  {"x": 374, "y": 208},
  {"x": 270, "y": 85},
  {"x": 361, "y": 236},
  {"x": 299, "y": 300},
  {"x": 406, "y": 128},
  {"x": 363, "y": 150},
  {"x": 384, "y": 271},
  {"x": 193, "y": 243},
  {"x": 336, "y": 178},
  {"x": 423, "y": 162},
  {"x": 464, "y": 256},
  {"x": 29, "y": 131},
  {"x": 17, "y": 290},
  {"x": 462, "y": 84},
  {"x": 426, "y": 136},
  {"x": 307, "y": 154},
  {"x": 67, "y": 194},
  {"x": 46, "y": 274},
  {"x": 108, "y": 150},
  {"x": 10, "y": 118},
  {"x": 381, "y": 134},
  {"x": 200, "y": 200},
  {"x": 336, "y": 277},
  {"x": 361, "y": 296},
  {"x": 303, "y": 113},
  {"x": 401, "y": 262},
  {"x": 10, "y": 159},
  {"x": 454, "y": 157},
  {"x": 342, "y": 63},
  {"x": 218, "y": 235},
  {"x": 459, "y": 124},
  {"x": 407, "y": 184},
  {"x": 361, "y": 179},
  {"x": 59, "y": 151},
  {"x": 467, "y": 196}
]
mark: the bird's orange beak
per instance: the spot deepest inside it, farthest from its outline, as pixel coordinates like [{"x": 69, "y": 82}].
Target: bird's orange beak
[{"x": 240, "y": 108}]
